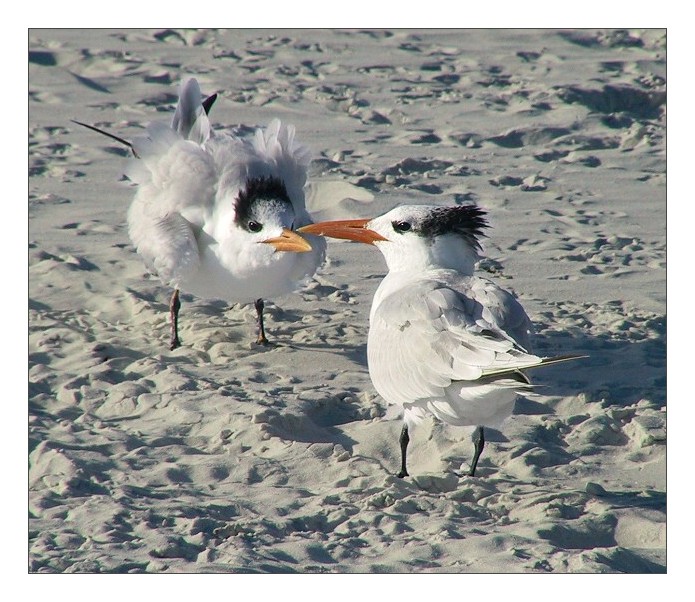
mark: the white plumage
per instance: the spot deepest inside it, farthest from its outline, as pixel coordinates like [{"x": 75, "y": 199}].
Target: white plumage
[
  {"x": 442, "y": 340},
  {"x": 205, "y": 202}
]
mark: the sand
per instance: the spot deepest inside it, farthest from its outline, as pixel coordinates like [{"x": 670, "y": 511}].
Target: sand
[{"x": 223, "y": 457}]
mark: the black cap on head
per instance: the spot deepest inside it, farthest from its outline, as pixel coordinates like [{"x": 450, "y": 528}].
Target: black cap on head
[
  {"x": 467, "y": 221},
  {"x": 261, "y": 187}
]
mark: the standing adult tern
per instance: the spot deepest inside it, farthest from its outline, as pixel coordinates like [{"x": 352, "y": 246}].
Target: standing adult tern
[
  {"x": 215, "y": 215},
  {"x": 441, "y": 339}
]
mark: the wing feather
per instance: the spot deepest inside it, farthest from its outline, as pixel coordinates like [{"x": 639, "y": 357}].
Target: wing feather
[
  {"x": 167, "y": 243},
  {"x": 443, "y": 329}
]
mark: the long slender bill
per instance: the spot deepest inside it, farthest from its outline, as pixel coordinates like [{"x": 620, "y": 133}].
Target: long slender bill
[{"x": 349, "y": 229}]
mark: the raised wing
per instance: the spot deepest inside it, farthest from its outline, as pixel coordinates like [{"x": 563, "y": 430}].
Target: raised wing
[
  {"x": 177, "y": 183},
  {"x": 191, "y": 116},
  {"x": 174, "y": 170}
]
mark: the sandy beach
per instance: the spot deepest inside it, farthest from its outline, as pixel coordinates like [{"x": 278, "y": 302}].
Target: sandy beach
[{"x": 226, "y": 457}]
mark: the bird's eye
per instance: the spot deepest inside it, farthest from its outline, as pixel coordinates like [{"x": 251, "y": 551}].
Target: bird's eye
[
  {"x": 401, "y": 226},
  {"x": 255, "y": 226}
]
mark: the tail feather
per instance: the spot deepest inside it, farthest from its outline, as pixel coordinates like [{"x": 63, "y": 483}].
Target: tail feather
[{"x": 516, "y": 372}]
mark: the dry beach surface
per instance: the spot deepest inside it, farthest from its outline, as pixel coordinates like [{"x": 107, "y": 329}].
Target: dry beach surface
[{"x": 223, "y": 456}]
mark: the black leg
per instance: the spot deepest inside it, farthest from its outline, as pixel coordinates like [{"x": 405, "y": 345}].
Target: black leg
[
  {"x": 404, "y": 440},
  {"x": 174, "y": 306},
  {"x": 479, "y": 443},
  {"x": 259, "y": 305}
]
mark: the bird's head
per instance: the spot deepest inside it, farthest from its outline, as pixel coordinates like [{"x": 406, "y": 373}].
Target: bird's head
[
  {"x": 263, "y": 211},
  {"x": 416, "y": 237}
]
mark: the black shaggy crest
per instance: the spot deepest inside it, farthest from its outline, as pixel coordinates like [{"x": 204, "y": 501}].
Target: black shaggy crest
[
  {"x": 467, "y": 221},
  {"x": 262, "y": 187}
]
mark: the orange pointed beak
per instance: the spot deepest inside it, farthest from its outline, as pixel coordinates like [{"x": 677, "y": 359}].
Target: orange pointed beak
[
  {"x": 289, "y": 241},
  {"x": 349, "y": 229}
]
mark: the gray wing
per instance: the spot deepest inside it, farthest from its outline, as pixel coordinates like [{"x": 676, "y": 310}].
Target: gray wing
[
  {"x": 166, "y": 243},
  {"x": 449, "y": 328},
  {"x": 495, "y": 307}
]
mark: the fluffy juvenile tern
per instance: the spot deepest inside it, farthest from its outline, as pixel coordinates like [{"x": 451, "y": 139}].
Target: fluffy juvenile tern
[
  {"x": 441, "y": 339},
  {"x": 214, "y": 214}
]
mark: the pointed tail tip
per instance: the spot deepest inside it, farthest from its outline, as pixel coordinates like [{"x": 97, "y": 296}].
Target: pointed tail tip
[
  {"x": 208, "y": 102},
  {"x": 105, "y": 133},
  {"x": 556, "y": 359}
]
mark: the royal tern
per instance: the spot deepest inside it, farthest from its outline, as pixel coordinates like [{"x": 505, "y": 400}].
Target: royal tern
[
  {"x": 441, "y": 339},
  {"x": 214, "y": 214}
]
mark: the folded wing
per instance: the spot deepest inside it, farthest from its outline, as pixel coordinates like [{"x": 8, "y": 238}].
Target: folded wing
[{"x": 451, "y": 328}]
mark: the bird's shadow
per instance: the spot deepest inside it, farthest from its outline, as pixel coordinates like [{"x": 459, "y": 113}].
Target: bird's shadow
[
  {"x": 356, "y": 353},
  {"x": 313, "y": 423},
  {"x": 618, "y": 370}
]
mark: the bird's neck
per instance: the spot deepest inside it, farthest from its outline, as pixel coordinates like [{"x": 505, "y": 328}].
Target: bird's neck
[{"x": 438, "y": 255}]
